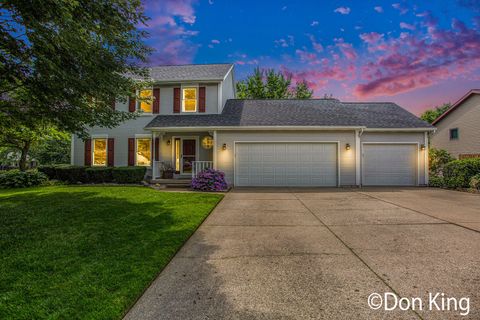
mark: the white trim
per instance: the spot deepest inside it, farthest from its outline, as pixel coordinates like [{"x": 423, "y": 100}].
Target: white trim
[
  {"x": 187, "y": 86},
  {"x": 426, "y": 169},
  {"x": 417, "y": 182},
  {"x": 249, "y": 128},
  {"x": 319, "y": 142},
  {"x": 398, "y": 129},
  {"x": 197, "y": 150},
  {"x": 357, "y": 158},
  {"x": 144, "y": 137},
  {"x": 215, "y": 148},
  {"x": 92, "y": 149},
  {"x": 72, "y": 147}
]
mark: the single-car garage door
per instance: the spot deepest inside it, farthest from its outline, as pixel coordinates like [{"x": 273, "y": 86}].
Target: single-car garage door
[
  {"x": 389, "y": 165},
  {"x": 285, "y": 164}
]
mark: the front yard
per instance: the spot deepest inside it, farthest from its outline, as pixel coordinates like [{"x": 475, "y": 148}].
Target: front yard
[{"x": 88, "y": 252}]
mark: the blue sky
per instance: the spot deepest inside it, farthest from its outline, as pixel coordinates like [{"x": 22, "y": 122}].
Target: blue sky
[{"x": 418, "y": 54}]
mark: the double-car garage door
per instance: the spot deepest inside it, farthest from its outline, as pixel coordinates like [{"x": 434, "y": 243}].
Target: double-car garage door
[
  {"x": 286, "y": 164},
  {"x": 283, "y": 164}
]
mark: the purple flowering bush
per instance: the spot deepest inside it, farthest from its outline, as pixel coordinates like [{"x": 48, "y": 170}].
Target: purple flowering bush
[{"x": 210, "y": 180}]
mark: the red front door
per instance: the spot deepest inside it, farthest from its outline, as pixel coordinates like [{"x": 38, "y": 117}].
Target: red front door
[{"x": 189, "y": 149}]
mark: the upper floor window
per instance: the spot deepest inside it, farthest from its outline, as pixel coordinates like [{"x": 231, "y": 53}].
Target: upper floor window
[
  {"x": 189, "y": 99},
  {"x": 454, "y": 134},
  {"x": 100, "y": 152},
  {"x": 146, "y": 105}
]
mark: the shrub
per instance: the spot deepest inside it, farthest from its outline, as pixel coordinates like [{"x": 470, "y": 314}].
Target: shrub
[
  {"x": 128, "y": 174},
  {"x": 457, "y": 173},
  {"x": 22, "y": 179},
  {"x": 210, "y": 180},
  {"x": 438, "y": 159},
  {"x": 436, "y": 181},
  {"x": 71, "y": 174},
  {"x": 99, "y": 174},
  {"x": 475, "y": 182}
]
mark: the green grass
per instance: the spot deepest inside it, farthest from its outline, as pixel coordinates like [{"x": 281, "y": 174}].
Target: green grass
[{"x": 71, "y": 252}]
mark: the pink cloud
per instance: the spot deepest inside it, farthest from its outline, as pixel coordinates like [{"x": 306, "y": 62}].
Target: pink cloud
[
  {"x": 400, "y": 7},
  {"x": 346, "y": 49},
  {"x": 379, "y": 9},
  {"x": 342, "y": 10},
  {"x": 316, "y": 45},
  {"x": 404, "y": 25},
  {"x": 215, "y": 41},
  {"x": 371, "y": 37}
]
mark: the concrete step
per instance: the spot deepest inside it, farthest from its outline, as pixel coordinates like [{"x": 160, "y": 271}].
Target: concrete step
[{"x": 172, "y": 183}]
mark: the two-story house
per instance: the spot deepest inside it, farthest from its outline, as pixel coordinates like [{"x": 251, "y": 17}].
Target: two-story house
[
  {"x": 458, "y": 128},
  {"x": 195, "y": 122}
]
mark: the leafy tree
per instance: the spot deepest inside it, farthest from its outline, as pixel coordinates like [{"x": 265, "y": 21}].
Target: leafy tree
[
  {"x": 53, "y": 148},
  {"x": 268, "y": 84},
  {"x": 438, "y": 158},
  {"x": 63, "y": 62},
  {"x": 432, "y": 114}
]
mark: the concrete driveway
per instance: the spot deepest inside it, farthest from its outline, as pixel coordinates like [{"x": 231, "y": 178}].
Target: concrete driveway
[{"x": 320, "y": 253}]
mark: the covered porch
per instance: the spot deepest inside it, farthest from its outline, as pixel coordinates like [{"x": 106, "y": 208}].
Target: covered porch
[{"x": 182, "y": 155}]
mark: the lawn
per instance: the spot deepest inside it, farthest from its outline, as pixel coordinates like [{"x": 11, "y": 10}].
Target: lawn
[{"x": 75, "y": 252}]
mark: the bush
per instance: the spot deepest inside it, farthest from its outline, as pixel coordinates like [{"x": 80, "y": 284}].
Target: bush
[
  {"x": 475, "y": 182},
  {"x": 71, "y": 174},
  {"x": 457, "y": 173},
  {"x": 99, "y": 174},
  {"x": 210, "y": 180},
  {"x": 22, "y": 179},
  {"x": 438, "y": 159},
  {"x": 436, "y": 181},
  {"x": 128, "y": 174}
]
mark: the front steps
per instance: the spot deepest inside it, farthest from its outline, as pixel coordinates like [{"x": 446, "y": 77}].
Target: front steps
[{"x": 172, "y": 183}]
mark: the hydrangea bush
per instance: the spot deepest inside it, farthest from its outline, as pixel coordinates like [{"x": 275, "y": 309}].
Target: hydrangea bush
[{"x": 210, "y": 180}]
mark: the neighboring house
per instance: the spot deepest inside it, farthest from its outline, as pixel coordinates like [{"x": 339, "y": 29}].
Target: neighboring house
[
  {"x": 458, "y": 128},
  {"x": 195, "y": 122}
]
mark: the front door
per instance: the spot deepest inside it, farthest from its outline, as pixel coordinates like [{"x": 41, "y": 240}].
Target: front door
[{"x": 189, "y": 153}]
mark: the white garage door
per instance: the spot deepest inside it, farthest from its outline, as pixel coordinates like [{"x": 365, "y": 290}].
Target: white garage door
[
  {"x": 389, "y": 165},
  {"x": 286, "y": 164}
]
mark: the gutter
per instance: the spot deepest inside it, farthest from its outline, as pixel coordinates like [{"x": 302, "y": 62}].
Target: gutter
[{"x": 258, "y": 128}]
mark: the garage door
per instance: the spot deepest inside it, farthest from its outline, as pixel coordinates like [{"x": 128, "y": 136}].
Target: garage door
[
  {"x": 286, "y": 164},
  {"x": 389, "y": 165}
]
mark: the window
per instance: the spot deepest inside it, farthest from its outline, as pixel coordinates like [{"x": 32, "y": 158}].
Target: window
[
  {"x": 454, "y": 134},
  {"x": 144, "y": 152},
  {"x": 100, "y": 152},
  {"x": 189, "y": 102},
  {"x": 146, "y": 105}
]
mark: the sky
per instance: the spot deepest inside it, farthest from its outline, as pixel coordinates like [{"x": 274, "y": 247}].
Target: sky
[{"x": 418, "y": 54}]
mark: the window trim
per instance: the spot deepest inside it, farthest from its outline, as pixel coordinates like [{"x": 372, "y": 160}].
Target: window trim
[
  {"x": 144, "y": 137},
  {"x": 93, "y": 138},
  {"x": 138, "y": 102},
  {"x": 186, "y": 86},
  {"x": 454, "y": 130}
]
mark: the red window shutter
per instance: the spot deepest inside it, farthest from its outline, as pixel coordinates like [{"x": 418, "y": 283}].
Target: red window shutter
[
  {"x": 176, "y": 100},
  {"x": 201, "y": 98},
  {"x": 156, "y": 101},
  {"x": 131, "y": 103},
  {"x": 88, "y": 152},
  {"x": 157, "y": 151},
  {"x": 110, "y": 152},
  {"x": 131, "y": 151}
]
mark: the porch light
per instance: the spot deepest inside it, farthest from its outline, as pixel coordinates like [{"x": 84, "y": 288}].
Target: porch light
[
  {"x": 347, "y": 146},
  {"x": 169, "y": 142},
  {"x": 422, "y": 147},
  {"x": 224, "y": 146},
  {"x": 207, "y": 142}
]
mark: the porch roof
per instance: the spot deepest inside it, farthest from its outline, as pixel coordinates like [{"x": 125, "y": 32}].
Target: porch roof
[{"x": 297, "y": 113}]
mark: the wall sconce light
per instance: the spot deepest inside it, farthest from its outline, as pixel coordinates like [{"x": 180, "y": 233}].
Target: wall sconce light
[
  {"x": 347, "y": 146},
  {"x": 224, "y": 146},
  {"x": 422, "y": 147},
  {"x": 169, "y": 142}
]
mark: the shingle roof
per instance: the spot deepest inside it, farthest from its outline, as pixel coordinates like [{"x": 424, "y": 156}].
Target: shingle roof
[
  {"x": 312, "y": 112},
  {"x": 194, "y": 72}
]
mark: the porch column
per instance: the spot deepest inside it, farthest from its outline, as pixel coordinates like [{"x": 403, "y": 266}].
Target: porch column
[
  {"x": 358, "y": 158},
  {"x": 215, "y": 149},
  {"x": 154, "y": 162}
]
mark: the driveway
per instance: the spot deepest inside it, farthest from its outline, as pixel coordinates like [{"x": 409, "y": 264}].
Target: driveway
[{"x": 320, "y": 253}]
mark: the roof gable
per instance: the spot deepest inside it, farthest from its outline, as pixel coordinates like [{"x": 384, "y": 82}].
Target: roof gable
[
  {"x": 193, "y": 72},
  {"x": 456, "y": 105}
]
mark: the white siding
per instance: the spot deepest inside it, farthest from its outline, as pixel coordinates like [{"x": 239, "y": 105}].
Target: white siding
[{"x": 227, "y": 89}]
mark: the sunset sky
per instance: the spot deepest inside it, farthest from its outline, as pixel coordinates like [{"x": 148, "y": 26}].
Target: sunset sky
[{"x": 417, "y": 54}]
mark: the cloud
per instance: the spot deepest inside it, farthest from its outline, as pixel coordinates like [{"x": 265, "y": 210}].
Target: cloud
[
  {"x": 400, "y": 7},
  {"x": 408, "y": 26},
  {"x": 314, "y": 23},
  {"x": 379, "y": 9},
  {"x": 215, "y": 41},
  {"x": 342, "y": 10},
  {"x": 371, "y": 37},
  {"x": 316, "y": 46},
  {"x": 410, "y": 62},
  {"x": 284, "y": 8},
  {"x": 285, "y": 43},
  {"x": 346, "y": 49}
]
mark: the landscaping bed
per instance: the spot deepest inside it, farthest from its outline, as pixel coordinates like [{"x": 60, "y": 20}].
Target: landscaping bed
[{"x": 88, "y": 251}]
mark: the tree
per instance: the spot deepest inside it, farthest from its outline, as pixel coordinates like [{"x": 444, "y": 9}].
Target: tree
[
  {"x": 53, "y": 148},
  {"x": 268, "y": 84},
  {"x": 432, "y": 114},
  {"x": 63, "y": 62}
]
